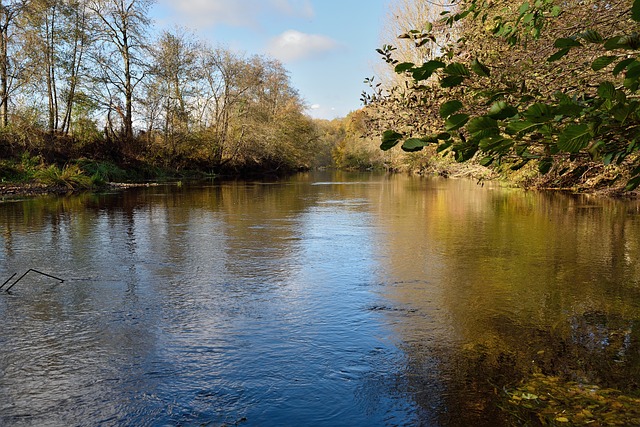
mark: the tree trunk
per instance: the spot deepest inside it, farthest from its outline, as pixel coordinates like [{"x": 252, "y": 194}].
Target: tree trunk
[{"x": 4, "y": 69}]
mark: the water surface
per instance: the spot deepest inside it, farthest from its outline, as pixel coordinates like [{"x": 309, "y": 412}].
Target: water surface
[{"x": 329, "y": 299}]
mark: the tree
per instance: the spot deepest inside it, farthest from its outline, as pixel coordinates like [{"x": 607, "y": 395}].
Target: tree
[
  {"x": 227, "y": 79},
  {"x": 514, "y": 88},
  {"x": 172, "y": 91},
  {"x": 9, "y": 12},
  {"x": 120, "y": 30},
  {"x": 54, "y": 38}
]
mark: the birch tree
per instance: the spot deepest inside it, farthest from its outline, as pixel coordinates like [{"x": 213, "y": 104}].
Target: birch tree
[{"x": 121, "y": 30}]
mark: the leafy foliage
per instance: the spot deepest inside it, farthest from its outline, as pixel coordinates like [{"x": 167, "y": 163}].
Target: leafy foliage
[{"x": 521, "y": 84}]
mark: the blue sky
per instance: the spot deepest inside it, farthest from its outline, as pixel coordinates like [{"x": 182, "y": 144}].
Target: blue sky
[{"x": 328, "y": 46}]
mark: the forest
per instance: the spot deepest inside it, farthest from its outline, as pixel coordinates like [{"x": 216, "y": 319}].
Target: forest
[{"x": 89, "y": 92}]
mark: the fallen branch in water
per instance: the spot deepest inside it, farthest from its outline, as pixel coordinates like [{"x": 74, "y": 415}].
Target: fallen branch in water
[{"x": 21, "y": 277}]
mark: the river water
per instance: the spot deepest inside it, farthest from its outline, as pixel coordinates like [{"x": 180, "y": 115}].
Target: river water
[{"x": 327, "y": 299}]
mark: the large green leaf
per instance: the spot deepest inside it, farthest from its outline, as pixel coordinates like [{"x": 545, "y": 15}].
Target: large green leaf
[
  {"x": 522, "y": 127},
  {"x": 480, "y": 69},
  {"x": 632, "y": 184},
  {"x": 456, "y": 121},
  {"x": 414, "y": 144},
  {"x": 390, "y": 139},
  {"x": 569, "y": 108},
  {"x": 592, "y": 36},
  {"x": 404, "y": 66},
  {"x": 523, "y": 8},
  {"x": 545, "y": 165},
  {"x": 539, "y": 113},
  {"x": 559, "y": 54},
  {"x": 449, "y": 108},
  {"x": 457, "y": 69},
  {"x": 635, "y": 11},
  {"x": 620, "y": 66},
  {"x": 482, "y": 124},
  {"x": 566, "y": 43},
  {"x": 444, "y": 146},
  {"x": 607, "y": 90},
  {"x": 574, "y": 138},
  {"x": 633, "y": 71},
  {"x": 427, "y": 69},
  {"x": 465, "y": 151},
  {"x": 486, "y": 161},
  {"x": 451, "y": 81},
  {"x": 496, "y": 144},
  {"x": 500, "y": 110},
  {"x": 621, "y": 112},
  {"x": 602, "y": 62}
]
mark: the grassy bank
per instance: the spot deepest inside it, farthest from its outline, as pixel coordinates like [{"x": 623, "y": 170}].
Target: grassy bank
[{"x": 30, "y": 175}]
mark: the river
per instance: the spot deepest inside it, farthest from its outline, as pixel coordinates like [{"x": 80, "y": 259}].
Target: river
[{"x": 326, "y": 299}]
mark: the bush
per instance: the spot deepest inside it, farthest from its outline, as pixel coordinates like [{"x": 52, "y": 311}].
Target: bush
[{"x": 71, "y": 176}]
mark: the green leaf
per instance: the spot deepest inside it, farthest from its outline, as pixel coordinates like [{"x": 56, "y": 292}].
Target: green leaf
[
  {"x": 465, "y": 151},
  {"x": 480, "y": 69},
  {"x": 427, "y": 69},
  {"x": 451, "y": 81},
  {"x": 559, "y": 54},
  {"x": 443, "y": 136},
  {"x": 635, "y": 11},
  {"x": 444, "y": 146},
  {"x": 574, "y": 138},
  {"x": 622, "y": 65},
  {"x": 482, "y": 124},
  {"x": 522, "y": 127},
  {"x": 450, "y": 107},
  {"x": 602, "y": 62},
  {"x": 569, "y": 108},
  {"x": 523, "y": 8},
  {"x": 556, "y": 11},
  {"x": 609, "y": 157},
  {"x": 414, "y": 144},
  {"x": 633, "y": 71},
  {"x": 456, "y": 121},
  {"x": 520, "y": 165},
  {"x": 539, "y": 113},
  {"x": 607, "y": 90},
  {"x": 390, "y": 139},
  {"x": 486, "y": 161},
  {"x": 592, "y": 36},
  {"x": 500, "y": 110},
  {"x": 457, "y": 69},
  {"x": 545, "y": 165},
  {"x": 632, "y": 184},
  {"x": 405, "y": 66},
  {"x": 566, "y": 43},
  {"x": 612, "y": 43},
  {"x": 621, "y": 112},
  {"x": 496, "y": 144}
]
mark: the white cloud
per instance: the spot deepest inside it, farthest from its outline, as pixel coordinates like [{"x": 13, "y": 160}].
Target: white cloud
[
  {"x": 293, "y": 45},
  {"x": 239, "y": 13},
  {"x": 315, "y": 107}
]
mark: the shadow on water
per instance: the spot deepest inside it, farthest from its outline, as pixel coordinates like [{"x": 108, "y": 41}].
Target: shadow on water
[{"x": 327, "y": 299}]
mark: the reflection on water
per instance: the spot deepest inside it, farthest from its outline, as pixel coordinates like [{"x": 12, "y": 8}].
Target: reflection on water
[{"x": 328, "y": 299}]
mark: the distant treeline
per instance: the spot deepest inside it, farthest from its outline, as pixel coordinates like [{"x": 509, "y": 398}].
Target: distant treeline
[{"x": 86, "y": 79}]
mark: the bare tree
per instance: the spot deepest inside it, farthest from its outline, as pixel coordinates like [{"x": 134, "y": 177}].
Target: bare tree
[
  {"x": 121, "y": 29},
  {"x": 171, "y": 90},
  {"x": 9, "y": 12}
]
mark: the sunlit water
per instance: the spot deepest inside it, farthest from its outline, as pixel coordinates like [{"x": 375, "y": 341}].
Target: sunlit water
[{"x": 325, "y": 300}]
